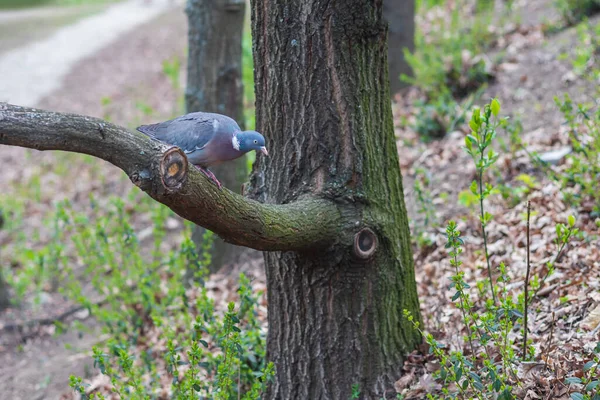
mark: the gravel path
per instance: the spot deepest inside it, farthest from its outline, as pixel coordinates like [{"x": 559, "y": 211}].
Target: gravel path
[{"x": 31, "y": 72}]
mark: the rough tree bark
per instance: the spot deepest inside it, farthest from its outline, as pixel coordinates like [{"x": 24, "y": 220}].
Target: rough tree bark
[
  {"x": 400, "y": 15},
  {"x": 214, "y": 84},
  {"x": 323, "y": 102}
]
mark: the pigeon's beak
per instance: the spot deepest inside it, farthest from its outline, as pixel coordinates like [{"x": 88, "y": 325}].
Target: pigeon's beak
[{"x": 264, "y": 151}]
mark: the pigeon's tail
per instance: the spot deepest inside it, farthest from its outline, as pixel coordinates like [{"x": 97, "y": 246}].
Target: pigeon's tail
[{"x": 148, "y": 130}]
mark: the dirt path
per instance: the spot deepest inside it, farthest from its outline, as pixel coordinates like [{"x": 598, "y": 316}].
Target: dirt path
[
  {"x": 126, "y": 71},
  {"x": 33, "y": 71}
]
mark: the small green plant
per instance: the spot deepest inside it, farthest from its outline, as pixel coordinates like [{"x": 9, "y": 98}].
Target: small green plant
[
  {"x": 579, "y": 180},
  {"x": 355, "y": 391},
  {"x": 448, "y": 65},
  {"x": 156, "y": 326},
  {"x": 436, "y": 117},
  {"x": 425, "y": 206},
  {"x": 486, "y": 368},
  {"x": 588, "y": 386},
  {"x": 564, "y": 234},
  {"x": 573, "y": 11},
  {"x": 446, "y": 59},
  {"x": 483, "y": 125}
]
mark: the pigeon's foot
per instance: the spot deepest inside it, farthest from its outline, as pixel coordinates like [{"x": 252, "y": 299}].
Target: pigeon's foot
[{"x": 210, "y": 176}]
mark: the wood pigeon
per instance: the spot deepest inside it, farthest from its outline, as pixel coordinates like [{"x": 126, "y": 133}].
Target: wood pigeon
[{"x": 207, "y": 139}]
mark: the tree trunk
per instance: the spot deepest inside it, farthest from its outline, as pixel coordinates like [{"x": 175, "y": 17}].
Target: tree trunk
[
  {"x": 4, "y": 294},
  {"x": 323, "y": 103},
  {"x": 215, "y": 85},
  {"x": 4, "y": 289},
  {"x": 400, "y": 15}
]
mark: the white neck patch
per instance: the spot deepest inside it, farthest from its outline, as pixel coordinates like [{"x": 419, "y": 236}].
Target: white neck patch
[{"x": 235, "y": 142}]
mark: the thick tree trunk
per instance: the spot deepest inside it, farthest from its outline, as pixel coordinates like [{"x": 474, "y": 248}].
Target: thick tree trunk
[
  {"x": 400, "y": 15},
  {"x": 215, "y": 85},
  {"x": 323, "y": 102}
]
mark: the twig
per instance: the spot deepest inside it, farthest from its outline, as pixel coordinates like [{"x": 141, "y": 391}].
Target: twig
[
  {"x": 526, "y": 286},
  {"x": 485, "y": 244},
  {"x": 20, "y": 326},
  {"x": 547, "y": 350}
]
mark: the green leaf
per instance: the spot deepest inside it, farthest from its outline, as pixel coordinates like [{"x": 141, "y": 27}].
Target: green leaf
[
  {"x": 473, "y": 125},
  {"x": 573, "y": 380},
  {"x": 592, "y": 385},
  {"x": 495, "y": 107},
  {"x": 474, "y": 188},
  {"x": 497, "y": 385},
  {"x": 468, "y": 143},
  {"x": 577, "y": 396},
  {"x": 571, "y": 221},
  {"x": 588, "y": 365}
]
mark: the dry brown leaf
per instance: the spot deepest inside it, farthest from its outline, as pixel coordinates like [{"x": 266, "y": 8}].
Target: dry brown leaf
[{"x": 592, "y": 320}]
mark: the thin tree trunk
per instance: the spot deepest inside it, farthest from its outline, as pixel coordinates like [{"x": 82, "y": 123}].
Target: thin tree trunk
[
  {"x": 4, "y": 289},
  {"x": 215, "y": 85},
  {"x": 400, "y": 15},
  {"x": 323, "y": 103},
  {"x": 4, "y": 292}
]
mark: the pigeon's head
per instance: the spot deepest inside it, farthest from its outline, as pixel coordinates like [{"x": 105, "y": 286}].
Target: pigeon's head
[{"x": 248, "y": 141}]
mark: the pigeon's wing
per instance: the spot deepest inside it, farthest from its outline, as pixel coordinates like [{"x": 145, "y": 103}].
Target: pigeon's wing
[{"x": 190, "y": 132}]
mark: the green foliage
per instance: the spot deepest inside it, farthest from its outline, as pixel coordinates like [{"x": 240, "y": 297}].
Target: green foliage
[
  {"x": 355, "y": 391},
  {"x": 573, "y": 11},
  {"x": 478, "y": 145},
  {"x": 486, "y": 368},
  {"x": 588, "y": 386},
  {"x": 248, "y": 81},
  {"x": 425, "y": 206},
  {"x": 248, "y": 78},
  {"x": 137, "y": 292},
  {"x": 580, "y": 179},
  {"x": 448, "y": 63},
  {"x": 158, "y": 305},
  {"x": 446, "y": 59}
]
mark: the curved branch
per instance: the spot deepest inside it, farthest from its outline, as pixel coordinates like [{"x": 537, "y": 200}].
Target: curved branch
[{"x": 162, "y": 172}]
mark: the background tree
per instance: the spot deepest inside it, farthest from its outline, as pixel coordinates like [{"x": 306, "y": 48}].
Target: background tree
[
  {"x": 214, "y": 84},
  {"x": 4, "y": 288},
  {"x": 339, "y": 264},
  {"x": 4, "y": 292},
  {"x": 400, "y": 15}
]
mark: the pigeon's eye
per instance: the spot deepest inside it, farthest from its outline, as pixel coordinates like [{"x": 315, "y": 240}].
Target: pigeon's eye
[{"x": 256, "y": 142}]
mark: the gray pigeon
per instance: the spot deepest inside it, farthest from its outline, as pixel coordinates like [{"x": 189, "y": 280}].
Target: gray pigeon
[{"x": 207, "y": 139}]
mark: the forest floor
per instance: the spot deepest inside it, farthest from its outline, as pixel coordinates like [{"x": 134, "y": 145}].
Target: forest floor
[{"x": 128, "y": 74}]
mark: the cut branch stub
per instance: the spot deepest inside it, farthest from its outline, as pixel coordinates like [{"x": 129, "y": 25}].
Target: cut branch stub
[
  {"x": 365, "y": 244},
  {"x": 173, "y": 168}
]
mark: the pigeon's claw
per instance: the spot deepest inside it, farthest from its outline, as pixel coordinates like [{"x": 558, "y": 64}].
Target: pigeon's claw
[{"x": 210, "y": 176}]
